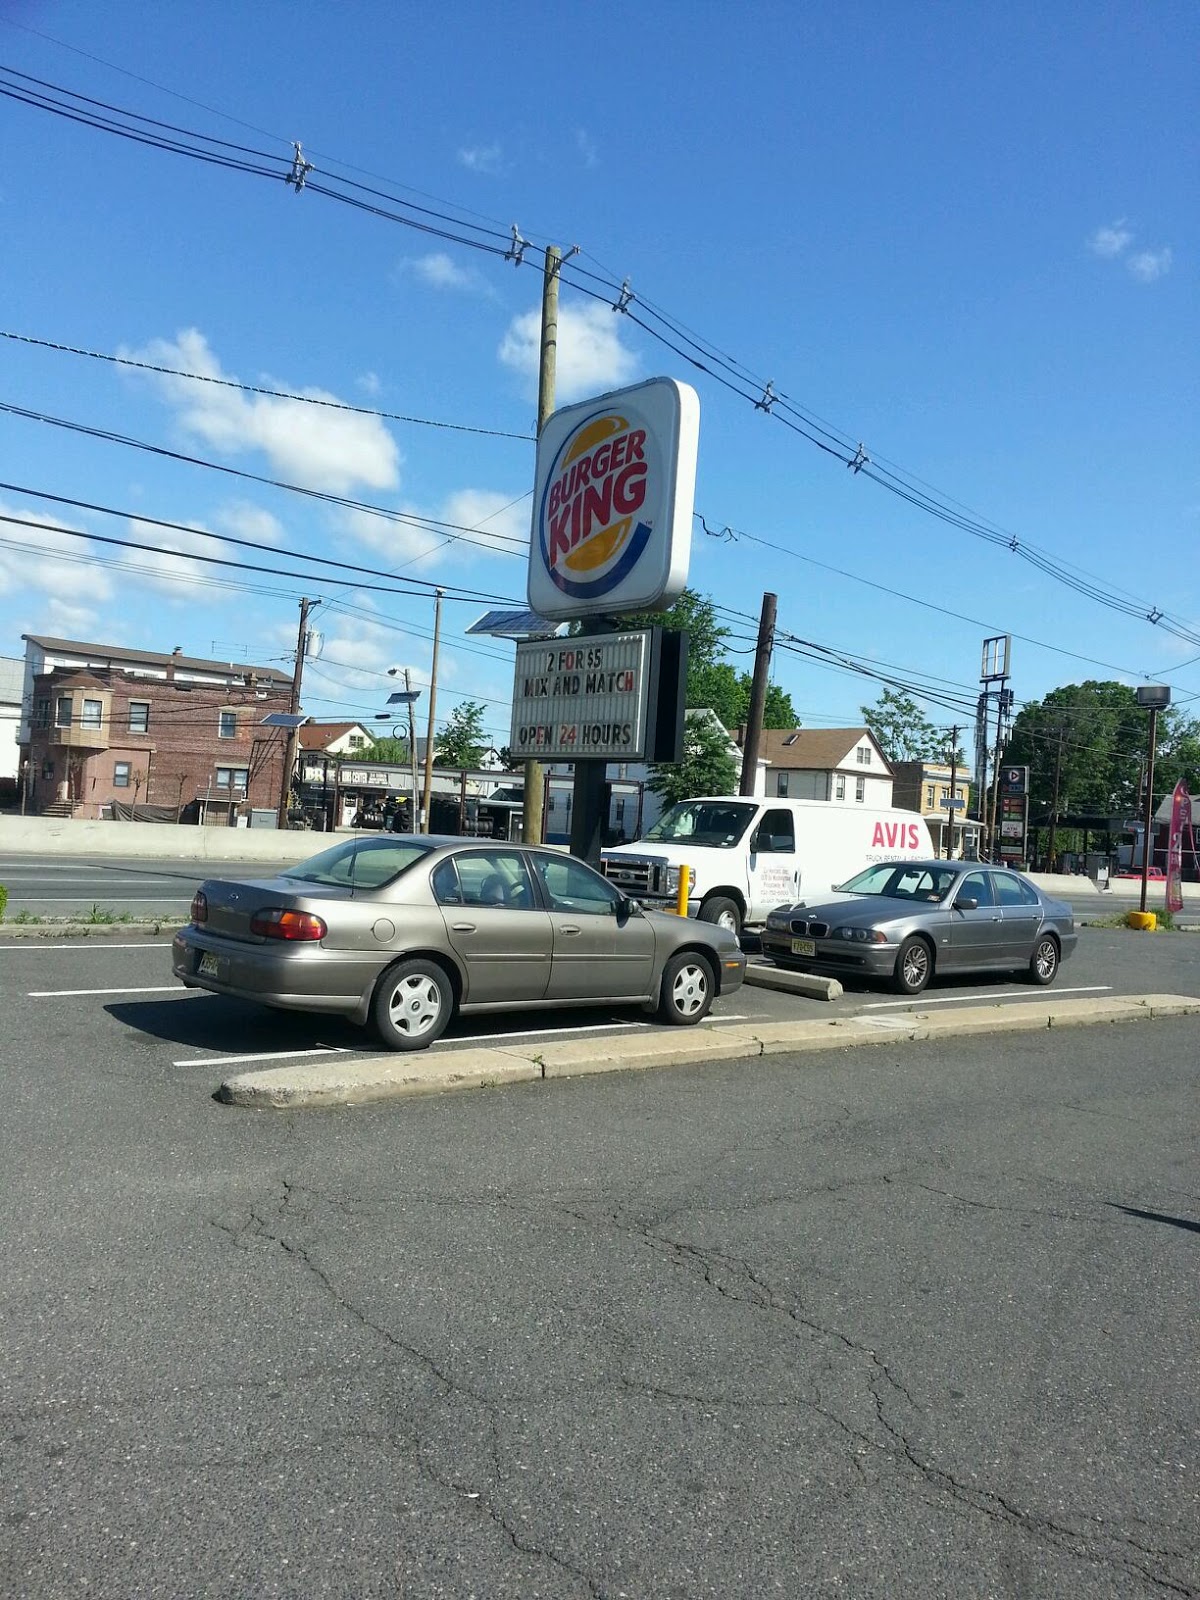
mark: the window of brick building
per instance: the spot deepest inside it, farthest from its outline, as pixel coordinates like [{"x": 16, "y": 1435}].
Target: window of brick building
[
  {"x": 232, "y": 777},
  {"x": 93, "y": 713},
  {"x": 41, "y": 714},
  {"x": 139, "y": 716},
  {"x": 62, "y": 711},
  {"x": 120, "y": 774},
  {"x": 930, "y": 796},
  {"x": 47, "y": 769},
  {"x": 227, "y": 725}
]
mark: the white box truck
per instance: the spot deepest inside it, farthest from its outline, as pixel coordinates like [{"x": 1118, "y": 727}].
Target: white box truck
[{"x": 746, "y": 854}]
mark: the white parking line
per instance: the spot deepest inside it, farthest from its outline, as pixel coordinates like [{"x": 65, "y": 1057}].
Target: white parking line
[
  {"x": 264, "y": 1055},
  {"x": 59, "y": 994},
  {"x": 141, "y": 899},
  {"x": 44, "y": 946},
  {"x": 1028, "y": 993}
]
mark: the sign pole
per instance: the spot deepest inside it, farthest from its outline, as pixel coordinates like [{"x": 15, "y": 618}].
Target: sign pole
[{"x": 533, "y": 825}]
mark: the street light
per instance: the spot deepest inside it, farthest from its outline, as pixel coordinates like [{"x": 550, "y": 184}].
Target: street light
[
  {"x": 408, "y": 696},
  {"x": 1155, "y": 697}
]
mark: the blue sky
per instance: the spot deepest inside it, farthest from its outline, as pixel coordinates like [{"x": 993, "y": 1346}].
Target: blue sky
[{"x": 965, "y": 236}]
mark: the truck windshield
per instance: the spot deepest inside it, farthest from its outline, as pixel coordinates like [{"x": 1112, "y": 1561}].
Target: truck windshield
[{"x": 715, "y": 824}]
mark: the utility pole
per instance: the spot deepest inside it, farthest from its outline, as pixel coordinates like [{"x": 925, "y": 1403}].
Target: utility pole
[
  {"x": 758, "y": 693},
  {"x": 954, "y": 732},
  {"x": 1003, "y": 703},
  {"x": 293, "y": 739},
  {"x": 533, "y": 809},
  {"x": 437, "y": 632}
]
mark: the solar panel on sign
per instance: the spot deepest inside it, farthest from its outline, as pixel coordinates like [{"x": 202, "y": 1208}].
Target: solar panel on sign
[
  {"x": 514, "y": 625},
  {"x": 284, "y": 719}
]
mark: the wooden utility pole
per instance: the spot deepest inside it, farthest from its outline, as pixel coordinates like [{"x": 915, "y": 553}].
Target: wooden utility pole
[
  {"x": 437, "y": 633},
  {"x": 293, "y": 738},
  {"x": 533, "y": 809},
  {"x": 758, "y": 693}
]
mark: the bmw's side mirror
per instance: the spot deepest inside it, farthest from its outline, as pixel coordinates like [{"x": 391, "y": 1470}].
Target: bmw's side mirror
[{"x": 965, "y": 903}]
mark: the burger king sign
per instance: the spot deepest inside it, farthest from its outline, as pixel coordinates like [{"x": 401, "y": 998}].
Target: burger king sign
[{"x": 612, "y": 516}]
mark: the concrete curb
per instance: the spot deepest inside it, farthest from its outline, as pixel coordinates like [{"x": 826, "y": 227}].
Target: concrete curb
[
  {"x": 761, "y": 976},
  {"x": 85, "y": 930},
  {"x": 396, "y": 1076}
]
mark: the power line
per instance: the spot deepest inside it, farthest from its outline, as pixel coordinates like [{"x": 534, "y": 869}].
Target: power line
[
  {"x": 452, "y": 530},
  {"x": 262, "y": 390},
  {"x": 452, "y": 592},
  {"x": 777, "y": 405}
]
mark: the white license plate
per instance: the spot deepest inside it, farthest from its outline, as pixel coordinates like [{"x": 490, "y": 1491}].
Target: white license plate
[
  {"x": 209, "y": 966},
  {"x": 803, "y": 947}
]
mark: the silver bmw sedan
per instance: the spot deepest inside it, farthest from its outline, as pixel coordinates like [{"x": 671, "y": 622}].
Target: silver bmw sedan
[{"x": 905, "y": 921}]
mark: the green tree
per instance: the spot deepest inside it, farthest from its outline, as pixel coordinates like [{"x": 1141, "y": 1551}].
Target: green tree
[
  {"x": 461, "y": 742},
  {"x": 1093, "y": 734},
  {"x": 708, "y": 765},
  {"x": 388, "y": 751},
  {"x": 902, "y": 730}
]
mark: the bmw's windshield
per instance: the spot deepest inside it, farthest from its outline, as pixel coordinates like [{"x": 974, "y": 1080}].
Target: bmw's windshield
[
  {"x": 900, "y": 880},
  {"x": 359, "y": 863},
  {"x": 714, "y": 824}
]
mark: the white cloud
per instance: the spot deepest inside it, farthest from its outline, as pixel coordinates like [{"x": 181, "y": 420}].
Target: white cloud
[
  {"x": 492, "y": 515},
  {"x": 1149, "y": 265},
  {"x": 65, "y": 621},
  {"x": 586, "y": 147},
  {"x": 53, "y": 562},
  {"x": 486, "y": 158},
  {"x": 483, "y": 521},
  {"x": 370, "y": 385},
  {"x": 168, "y": 568},
  {"x": 440, "y": 271},
  {"x": 591, "y": 357},
  {"x": 337, "y": 451},
  {"x": 250, "y": 522},
  {"x": 1111, "y": 240}
]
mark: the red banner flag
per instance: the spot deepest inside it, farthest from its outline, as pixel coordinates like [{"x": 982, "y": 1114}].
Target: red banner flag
[{"x": 1181, "y": 818}]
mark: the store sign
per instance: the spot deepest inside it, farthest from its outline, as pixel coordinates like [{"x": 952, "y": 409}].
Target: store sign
[
  {"x": 582, "y": 698},
  {"x": 1181, "y": 822},
  {"x": 613, "y": 494}
]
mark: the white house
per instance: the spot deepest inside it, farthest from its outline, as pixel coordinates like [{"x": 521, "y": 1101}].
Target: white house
[
  {"x": 12, "y": 677},
  {"x": 844, "y": 765}
]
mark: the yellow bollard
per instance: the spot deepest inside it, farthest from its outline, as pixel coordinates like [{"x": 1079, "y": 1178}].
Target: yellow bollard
[
  {"x": 1144, "y": 920},
  {"x": 681, "y": 894}
]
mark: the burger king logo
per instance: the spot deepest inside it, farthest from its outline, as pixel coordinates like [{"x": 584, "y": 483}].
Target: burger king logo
[{"x": 590, "y": 529}]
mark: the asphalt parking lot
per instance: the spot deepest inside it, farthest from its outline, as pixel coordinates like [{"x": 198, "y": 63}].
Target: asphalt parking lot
[{"x": 114, "y": 997}]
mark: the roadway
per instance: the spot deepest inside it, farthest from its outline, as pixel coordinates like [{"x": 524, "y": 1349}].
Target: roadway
[{"x": 909, "y": 1321}]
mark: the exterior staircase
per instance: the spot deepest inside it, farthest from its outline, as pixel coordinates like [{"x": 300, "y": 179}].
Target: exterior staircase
[{"x": 59, "y": 808}]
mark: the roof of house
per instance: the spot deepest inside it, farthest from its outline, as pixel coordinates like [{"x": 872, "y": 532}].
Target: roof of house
[
  {"x": 820, "y": 749},
  {"x": 99, "y": 655},
  {"x": 316, "y": 735}
]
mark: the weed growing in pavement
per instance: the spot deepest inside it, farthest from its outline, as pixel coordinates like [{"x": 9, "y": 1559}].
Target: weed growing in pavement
[
  {"x": 3, "y": 900},
  {"x": 101, "y": 914},
  {"x": 24, "y": 916},
  {"x": 1165, "y": 923}
]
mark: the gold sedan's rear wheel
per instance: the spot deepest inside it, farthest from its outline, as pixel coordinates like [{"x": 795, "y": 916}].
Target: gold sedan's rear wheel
[{"x": 414, "y": 1002}]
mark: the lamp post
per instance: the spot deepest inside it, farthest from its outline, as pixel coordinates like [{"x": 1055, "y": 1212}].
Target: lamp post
[
  {"x": 1155, "y": 697},
  {"x": 408, "y": 696}
]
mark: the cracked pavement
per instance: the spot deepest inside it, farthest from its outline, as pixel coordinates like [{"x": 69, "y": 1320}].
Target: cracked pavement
[{"x": 900, "y": 1322}]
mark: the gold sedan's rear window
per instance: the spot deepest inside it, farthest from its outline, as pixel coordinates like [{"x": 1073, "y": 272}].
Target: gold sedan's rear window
[{"x": 360, "y": 864}]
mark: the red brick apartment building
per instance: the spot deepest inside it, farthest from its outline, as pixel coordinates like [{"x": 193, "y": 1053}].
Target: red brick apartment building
[{"x": 106, "y": 731}]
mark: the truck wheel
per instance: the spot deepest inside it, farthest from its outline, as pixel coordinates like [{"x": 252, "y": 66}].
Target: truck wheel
[{"x": 724, "y": 912}]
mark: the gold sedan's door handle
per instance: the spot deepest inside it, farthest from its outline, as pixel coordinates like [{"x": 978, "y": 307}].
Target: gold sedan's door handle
[
  {"x": 569, "y": 927},
  {"x": 463, "y": 927}
]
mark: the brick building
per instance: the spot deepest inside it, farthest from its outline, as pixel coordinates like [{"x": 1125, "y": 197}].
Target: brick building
[{"x": 106, "y": 729}]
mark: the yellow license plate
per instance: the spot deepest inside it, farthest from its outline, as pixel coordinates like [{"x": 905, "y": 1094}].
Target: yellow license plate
[
  {"x": 210, "y": 966},
  {"x": 803, "y": 947}
]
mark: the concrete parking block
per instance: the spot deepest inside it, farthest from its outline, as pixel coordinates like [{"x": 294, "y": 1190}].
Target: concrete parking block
[
  {"x": 327, "y": 1083},
  {"x": 809, "y": 984},
  {"x": 575, "y": 1058}
]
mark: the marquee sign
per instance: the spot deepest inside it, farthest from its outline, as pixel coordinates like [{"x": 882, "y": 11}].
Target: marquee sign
[
  {"x": 583, "y": 698},
  {"x": 613, "y": 496}
]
